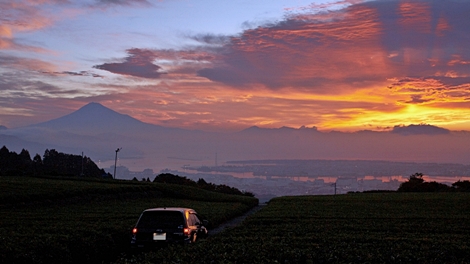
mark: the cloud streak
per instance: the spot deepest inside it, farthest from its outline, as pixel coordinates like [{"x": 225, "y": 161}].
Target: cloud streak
[
  {"x": 361, "y": 65},
  {"x": 109, "y": 3}
]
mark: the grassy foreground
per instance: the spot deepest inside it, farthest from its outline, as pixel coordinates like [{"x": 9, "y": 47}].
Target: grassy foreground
[
  {"x": 89, "y": 221},
  {"x": 352, "y": 228}
]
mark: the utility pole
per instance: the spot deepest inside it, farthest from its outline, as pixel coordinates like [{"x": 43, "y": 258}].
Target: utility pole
[
  {"x": 81, "y": 174},
  {"x": 115, "y": 162}
]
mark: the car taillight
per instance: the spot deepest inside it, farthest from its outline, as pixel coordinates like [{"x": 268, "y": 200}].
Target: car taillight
[
  {"x": 134, "y": 231},
  {"x": 187, "y": 231}
]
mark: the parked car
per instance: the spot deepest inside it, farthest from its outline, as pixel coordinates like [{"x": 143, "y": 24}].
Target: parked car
[{"x": 159, "y": 226}]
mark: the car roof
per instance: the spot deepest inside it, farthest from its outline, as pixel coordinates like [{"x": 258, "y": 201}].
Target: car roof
[{"x": 178, "y": 209}]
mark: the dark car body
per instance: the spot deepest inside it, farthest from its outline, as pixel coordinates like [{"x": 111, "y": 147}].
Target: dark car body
[{"x": 160, "y": 226}]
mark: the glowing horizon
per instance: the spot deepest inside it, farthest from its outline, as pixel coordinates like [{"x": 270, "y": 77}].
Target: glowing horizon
[{"x": 339, "y": 65}]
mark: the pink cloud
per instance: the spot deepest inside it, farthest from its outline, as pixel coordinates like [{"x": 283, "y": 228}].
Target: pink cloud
[
  {"x": 22, "y": 16},
  {"x": 360, "y": 46}
]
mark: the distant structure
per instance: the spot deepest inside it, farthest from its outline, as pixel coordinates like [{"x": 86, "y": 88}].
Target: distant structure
[
  {"x": 115, "y": 162},
  {"x": 81, "y": 173}
]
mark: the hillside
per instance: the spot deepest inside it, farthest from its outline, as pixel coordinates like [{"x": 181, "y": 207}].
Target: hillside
[
  {"x": 90, "y": 221},
  {"x": 353, "y": 228}
]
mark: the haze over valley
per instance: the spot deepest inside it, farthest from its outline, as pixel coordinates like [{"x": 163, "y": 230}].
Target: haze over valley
[{"x": 98, "y": 131}]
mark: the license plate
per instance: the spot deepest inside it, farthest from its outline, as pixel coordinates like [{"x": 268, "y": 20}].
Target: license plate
[{"x": 159, "y": 236}]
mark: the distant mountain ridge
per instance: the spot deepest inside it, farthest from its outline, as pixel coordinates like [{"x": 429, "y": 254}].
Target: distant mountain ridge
[
  {"x": 97, "y": 118},
  {"x": 99, "y": 131},
  {"x": 421, "y": 129}
]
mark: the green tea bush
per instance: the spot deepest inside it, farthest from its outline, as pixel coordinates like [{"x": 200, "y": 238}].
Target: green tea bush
[
  {"x": 90, "y": 221},
  {"x": 353, "y": 228}
]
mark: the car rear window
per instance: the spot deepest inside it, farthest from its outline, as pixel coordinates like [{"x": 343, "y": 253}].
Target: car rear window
[{"x": 160, "y": 219}]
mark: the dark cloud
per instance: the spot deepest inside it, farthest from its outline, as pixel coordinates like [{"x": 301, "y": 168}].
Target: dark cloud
[
  {"x": 417, "y": 99},
  {"x": 83, "y": 73},
  {"x": 211, "y": 39},
  {"x": 139, "y": 63},
  {"x": 80, "y": 73}
]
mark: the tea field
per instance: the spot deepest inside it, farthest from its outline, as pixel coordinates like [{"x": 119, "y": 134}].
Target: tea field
[
  {"x": 89, "y": 221},
  {"x": 352, "y": 228}
]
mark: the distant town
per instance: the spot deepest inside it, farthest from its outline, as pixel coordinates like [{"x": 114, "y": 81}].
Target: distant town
[
  {"x": 337, "y": 168},
  {"x": 272, "y": 178}
]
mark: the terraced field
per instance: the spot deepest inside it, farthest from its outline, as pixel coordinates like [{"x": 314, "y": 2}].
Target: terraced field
[
  {"x": 353, "y": 228},
  {"x": 86, "y": 221},
  {"x": 83, "y": 221}
]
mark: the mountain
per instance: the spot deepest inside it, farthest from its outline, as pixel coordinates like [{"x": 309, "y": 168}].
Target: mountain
[{"x": 95, "y": 118}]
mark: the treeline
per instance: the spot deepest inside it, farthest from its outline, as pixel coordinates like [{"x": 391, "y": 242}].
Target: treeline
[
  {"x": 52, "y": 163},
  {"x": 201, "y": 183},
  {"x": 416, "y": 183}
]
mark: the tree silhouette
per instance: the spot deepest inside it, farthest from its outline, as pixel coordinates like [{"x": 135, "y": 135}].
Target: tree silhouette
[
  {"x": 201, "y": 183},
  {"x": 53, "y": 163},
  {"x": 14, "y": 164},
  {"x": 416, "y": 183},
  {"x": 461, "y": 186}
]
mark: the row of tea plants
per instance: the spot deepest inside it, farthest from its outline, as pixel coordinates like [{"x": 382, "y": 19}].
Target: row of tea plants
[
  {"x": 352, "y": 228},
  {"x": 89, "y": 221}
]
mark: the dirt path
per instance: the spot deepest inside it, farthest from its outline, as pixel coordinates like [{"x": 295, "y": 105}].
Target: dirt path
[{"x": 235, "y": 221}]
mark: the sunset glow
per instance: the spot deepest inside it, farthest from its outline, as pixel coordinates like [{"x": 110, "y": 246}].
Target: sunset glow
[{"x": 333, "y": 65}]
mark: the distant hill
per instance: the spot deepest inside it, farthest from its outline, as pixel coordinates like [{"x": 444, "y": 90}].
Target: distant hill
[
  {"x": 254, "y": 130},
  {"x": 421, "y": 129}
]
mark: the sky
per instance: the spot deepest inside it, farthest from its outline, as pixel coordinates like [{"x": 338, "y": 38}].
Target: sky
[{"x": 344, "y": 65}]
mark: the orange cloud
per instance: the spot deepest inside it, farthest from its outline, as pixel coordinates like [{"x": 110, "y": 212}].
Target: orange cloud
[
  {"x": 372, "y": 64},
  {"x": 369, "y": 65}
]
